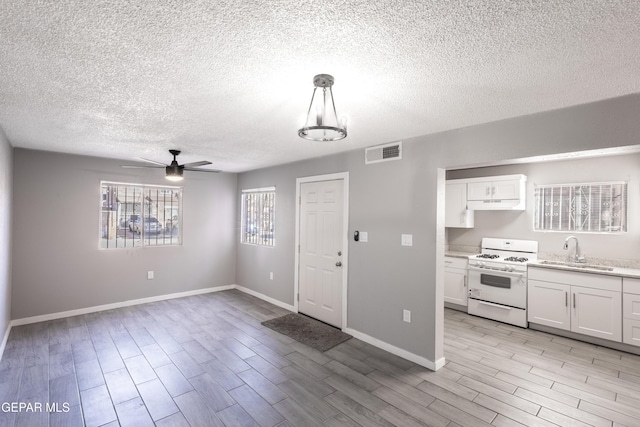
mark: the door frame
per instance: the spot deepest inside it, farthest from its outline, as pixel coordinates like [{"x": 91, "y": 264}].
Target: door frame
[{"x": 344, "y": 176}]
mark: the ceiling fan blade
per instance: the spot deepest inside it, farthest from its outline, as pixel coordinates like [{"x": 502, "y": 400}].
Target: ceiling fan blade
[
  {"x": 202, "y": 170},
  {"x": 141, "y": 166},
  {"x": 151, "y": 161},
  {"x": 195, "y": 164}
]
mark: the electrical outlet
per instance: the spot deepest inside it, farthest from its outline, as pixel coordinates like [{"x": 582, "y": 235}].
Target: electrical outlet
[
  {"x": 149, "y": 275},
  {"x": 406, "y": 316},
  {"x": 406, "y": 240},
  {"x": 271, "y": 275}
]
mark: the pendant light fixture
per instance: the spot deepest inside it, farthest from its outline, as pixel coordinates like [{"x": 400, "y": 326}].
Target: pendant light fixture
[
  {"x": 174, "y": 172},
  {"x": 322, "y": 121}
]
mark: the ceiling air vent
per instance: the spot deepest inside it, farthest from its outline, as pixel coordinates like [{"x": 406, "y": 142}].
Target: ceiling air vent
[{"x": 383, "y": 153}]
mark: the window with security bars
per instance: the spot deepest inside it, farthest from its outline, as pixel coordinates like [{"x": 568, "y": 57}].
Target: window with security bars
[
  {"x": 587, "y": 208},
  {"x": 133, "y": 215},
  {"x": 258, "y": 216}
]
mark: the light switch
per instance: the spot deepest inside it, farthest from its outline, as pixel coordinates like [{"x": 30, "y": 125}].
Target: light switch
[
  {"x": 150, "y": 275},
  {"x": 364, "y": 236},
  {"x": 407, "y": 240},
  {"x": 406, "y": 316}
]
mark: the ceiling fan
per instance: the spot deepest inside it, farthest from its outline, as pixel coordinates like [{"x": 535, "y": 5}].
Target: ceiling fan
[{"x": 174, "y": 171}]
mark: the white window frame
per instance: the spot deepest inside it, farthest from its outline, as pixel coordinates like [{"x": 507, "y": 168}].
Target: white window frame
[
  {"x": 143, "y": 237},
  {"x": 268, "y": 242},
  {"x": 571, "y": 226}
]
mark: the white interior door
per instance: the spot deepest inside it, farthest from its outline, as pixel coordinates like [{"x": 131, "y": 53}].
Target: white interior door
[{"x": 321, "y": 239}]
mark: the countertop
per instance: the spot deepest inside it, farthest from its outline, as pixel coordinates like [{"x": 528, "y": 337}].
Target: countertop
[
  {"x": 457, "y": 254},
  {"x": 617, "y": 271}
]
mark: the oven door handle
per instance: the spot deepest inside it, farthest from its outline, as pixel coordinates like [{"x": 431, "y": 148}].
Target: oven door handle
[
  {"x": 497, "y": 272},
  {"x": 495, "y": 305}
]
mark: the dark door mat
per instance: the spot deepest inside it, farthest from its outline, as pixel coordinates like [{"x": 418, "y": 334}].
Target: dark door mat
[{"x": 307, "y": 331}]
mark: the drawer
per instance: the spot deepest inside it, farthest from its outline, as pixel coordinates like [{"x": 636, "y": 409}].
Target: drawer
[
  {"x": 586, "y": 280},
  {"x": 631, "y": 332},
  {"x": 514, "y": 316},
  {"x": 631, "y": 306},
  {"x": 630, "y": 285},
  {"x": 453, "y": 262}
]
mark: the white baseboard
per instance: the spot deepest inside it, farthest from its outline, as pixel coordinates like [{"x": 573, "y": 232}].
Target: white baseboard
[
  {"x": 94, "y": 309},
  {"x": 422, "y": 361},
  {"x": 265, "y": 298},
  {"x": 429, "y": 364}
]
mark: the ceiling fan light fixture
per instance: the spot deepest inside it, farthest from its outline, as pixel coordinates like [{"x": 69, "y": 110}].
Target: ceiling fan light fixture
[
  {"x": 174, "y": 173},
  {"x": 322, "y": 121}
]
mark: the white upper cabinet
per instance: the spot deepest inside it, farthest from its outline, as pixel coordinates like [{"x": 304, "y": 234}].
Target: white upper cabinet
[
  {"x": 497, "y": 193},
  {"x": 491, "y": 193},
  {"x": 456, "y": 212},
  {"x": 480, "y": 190}
]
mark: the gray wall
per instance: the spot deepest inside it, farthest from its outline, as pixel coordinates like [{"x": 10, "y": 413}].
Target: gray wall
[
  {"x": 57, "y": 265},
  {"x": 6, "y": 171},
  {"x": 405, "y": 196},
  {"x": 519, "y": 224}
]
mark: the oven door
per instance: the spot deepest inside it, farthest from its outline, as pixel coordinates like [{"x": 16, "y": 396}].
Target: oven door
[{"x": 500, "y": 287}]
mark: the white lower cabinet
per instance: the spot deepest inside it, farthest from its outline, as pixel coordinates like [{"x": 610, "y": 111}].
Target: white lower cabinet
[
  {"x": 585, "y": 303},
  {"x": 549, "y": 304},
  {"x": 631, "y": 311},
  {"x": 597, "y": 313},
  {"x": 455, "y": 280}
]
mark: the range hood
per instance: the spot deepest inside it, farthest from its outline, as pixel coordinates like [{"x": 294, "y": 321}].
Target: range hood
[{"x": 496, "y": 205}]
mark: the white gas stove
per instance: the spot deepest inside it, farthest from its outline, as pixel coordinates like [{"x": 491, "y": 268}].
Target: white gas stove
[{"x": 498, "y": 279}]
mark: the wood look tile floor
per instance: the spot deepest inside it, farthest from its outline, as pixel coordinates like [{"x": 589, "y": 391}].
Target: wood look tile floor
[{"x": 207, "y": 361}]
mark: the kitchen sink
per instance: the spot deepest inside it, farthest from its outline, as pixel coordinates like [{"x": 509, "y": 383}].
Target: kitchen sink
[{"x": 577, "y": 265}]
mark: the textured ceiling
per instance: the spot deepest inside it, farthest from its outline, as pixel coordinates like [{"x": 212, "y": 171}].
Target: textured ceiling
[{"x": 230, "y": 81}]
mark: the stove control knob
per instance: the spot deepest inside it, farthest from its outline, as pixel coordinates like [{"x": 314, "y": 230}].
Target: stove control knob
[{"x": 510, "y": 268}]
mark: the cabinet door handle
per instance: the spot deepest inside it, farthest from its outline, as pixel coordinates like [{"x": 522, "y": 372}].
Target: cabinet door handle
[
  {"x": 566, "y": 299},
  {"x": 493, "y": 190},
  {"x": 488, "y": 191},
  {"x": 574, "y": 300}
]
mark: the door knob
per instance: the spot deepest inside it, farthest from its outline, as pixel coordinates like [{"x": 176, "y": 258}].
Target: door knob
[{"x": 339, "y": 264}]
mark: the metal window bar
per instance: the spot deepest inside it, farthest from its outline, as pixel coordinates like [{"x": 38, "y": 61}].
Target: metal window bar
[
  {"x": 585, "y": 207},
  {"x": 258, "y": 217},
  {"x": 120, "y": 213}
]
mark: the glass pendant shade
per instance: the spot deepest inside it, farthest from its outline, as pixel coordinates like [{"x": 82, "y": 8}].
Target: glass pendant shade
[
  {"x": 174, "y": 173},
  {"x": 322, "y": 121}
]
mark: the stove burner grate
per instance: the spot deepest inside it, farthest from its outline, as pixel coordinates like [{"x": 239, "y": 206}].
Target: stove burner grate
[
  {"x": 488, "y": 256},
  {"x": 517, "y": 259}
]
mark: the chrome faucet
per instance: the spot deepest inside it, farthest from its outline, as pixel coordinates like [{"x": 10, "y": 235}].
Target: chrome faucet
[{"x": 577, "y": 257}]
